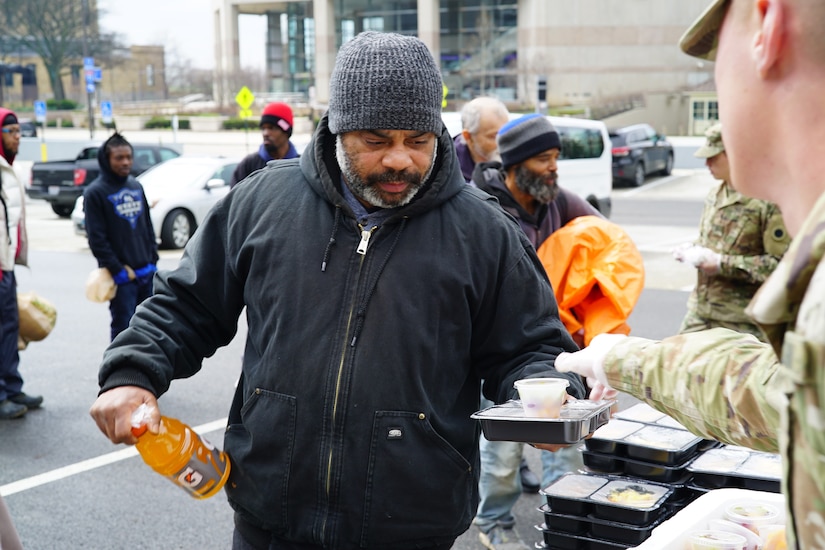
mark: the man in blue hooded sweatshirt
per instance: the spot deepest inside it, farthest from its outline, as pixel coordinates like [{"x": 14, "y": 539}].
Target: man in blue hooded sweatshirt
[{"x": 120, "y": 230}]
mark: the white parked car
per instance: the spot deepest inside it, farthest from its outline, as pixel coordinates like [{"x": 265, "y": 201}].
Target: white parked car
[{"x": 180, "y": 192}]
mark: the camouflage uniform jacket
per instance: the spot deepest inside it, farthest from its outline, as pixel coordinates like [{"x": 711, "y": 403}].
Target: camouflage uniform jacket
[
  {"x": 751, "y": 238},
  {"x": 728, "y": 386}
]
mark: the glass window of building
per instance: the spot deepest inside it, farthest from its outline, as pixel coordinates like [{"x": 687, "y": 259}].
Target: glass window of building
[{"x": 478, "y": 48}]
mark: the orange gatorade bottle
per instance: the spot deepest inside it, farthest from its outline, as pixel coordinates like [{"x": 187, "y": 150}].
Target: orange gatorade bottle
[{"x": 181, "y": 455}]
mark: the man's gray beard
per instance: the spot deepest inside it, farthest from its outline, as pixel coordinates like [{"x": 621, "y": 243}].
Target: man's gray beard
[
  {"x": 363, "y": 190},
  {"x": 493, "y": 156},
  {"x": 536, "y": 185}
]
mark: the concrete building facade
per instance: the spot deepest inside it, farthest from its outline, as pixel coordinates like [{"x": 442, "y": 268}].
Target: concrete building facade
[{"x": 593, "y": 53}]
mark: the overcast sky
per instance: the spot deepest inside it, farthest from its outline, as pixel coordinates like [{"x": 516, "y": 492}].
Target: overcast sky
[{"x": 184, "y": 26}]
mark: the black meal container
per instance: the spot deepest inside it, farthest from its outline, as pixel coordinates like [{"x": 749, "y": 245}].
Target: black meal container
[
  {"x": 578, "y": 419},
  {"x": 662, "y": 445},
  {"x": 635, "y": 468},
  {"x": 613, "y": 498},
  {"x": 593, "y": 527},
  {"x": 566, "y": 523},
  {"x": 646, "y": 442},
  {"x": 570, "y": 493},
  {"x": 632, "y": 501},
  {"x": 736, "y": 467},
  {"x": 621, "y": 532},
  {"x": 602, "y": 462},
  {"x": 608, "y": 438},
  {"x": 556, "y": 540}
]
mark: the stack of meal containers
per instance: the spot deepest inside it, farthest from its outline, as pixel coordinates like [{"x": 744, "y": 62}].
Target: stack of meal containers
[
  {"x": 735, "y": 467},
  {"x": 645, "y": 443},
  {"x": 643, "y": 467},
  {"x": 602, "y": 511},
  {"x": 640, "y": 448}
]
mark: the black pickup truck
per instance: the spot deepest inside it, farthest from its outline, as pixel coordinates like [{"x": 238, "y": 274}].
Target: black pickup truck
[{"x": 60, "y": 182}]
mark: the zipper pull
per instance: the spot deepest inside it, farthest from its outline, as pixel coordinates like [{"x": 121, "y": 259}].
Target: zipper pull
[{"x": 365, "y": 241}]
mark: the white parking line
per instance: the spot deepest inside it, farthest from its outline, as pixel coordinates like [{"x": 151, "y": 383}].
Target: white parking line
[{"x": 90, "y": 464}]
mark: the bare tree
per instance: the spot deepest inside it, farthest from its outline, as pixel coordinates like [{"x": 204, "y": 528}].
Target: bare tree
[
  {"x": 54, "y": 30},
  {"x": 182, "y": 77}
]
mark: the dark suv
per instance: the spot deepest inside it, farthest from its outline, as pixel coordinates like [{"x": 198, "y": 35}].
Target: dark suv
[{"x": 638, "y": 151}]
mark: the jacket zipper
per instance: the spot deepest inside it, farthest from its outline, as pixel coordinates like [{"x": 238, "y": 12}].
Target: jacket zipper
[{"x": 362, "y": 250}]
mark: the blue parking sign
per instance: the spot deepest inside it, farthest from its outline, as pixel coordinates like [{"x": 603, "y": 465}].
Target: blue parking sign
[
  {"x": 106, "y": 111},
  {"x": 40, "y": 111},
  {"x": 90, "y": 87}
]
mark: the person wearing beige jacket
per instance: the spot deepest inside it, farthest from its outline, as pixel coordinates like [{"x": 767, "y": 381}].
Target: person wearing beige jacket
[{"x": 13, "y": 251}]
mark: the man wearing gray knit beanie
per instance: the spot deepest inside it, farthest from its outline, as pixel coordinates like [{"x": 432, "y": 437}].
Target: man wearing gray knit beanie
[
  {"x": 385, "y": 88},
  {"x": 378, "y": 290}
]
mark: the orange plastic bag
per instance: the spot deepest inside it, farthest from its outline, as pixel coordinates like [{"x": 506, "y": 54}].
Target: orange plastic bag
[{"x": 597, "y": 275}]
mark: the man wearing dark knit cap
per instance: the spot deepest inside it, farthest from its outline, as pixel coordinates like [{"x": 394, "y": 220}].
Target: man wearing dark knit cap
[
  {"x": 13, "y": 251},
  {"x": 276, "y": 129},
  {"x": 525, "y": 183},
  {"x": 378, "y": 289}
]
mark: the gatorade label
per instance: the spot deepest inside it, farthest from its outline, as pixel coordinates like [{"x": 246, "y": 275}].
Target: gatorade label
[{"x": 204, "y": 472}]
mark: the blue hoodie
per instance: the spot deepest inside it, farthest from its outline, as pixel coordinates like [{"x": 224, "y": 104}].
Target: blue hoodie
[{"x": 118, "y": 225}]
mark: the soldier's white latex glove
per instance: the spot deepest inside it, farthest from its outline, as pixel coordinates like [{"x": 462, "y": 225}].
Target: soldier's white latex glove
[
  {"x": 589, "y": 363},
  {"x": 708, "y": 261},
  {"x": 699, "y": 256},
  {"x": 679, "y": 251}
]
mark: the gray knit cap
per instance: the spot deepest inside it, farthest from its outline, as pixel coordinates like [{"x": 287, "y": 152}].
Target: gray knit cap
[
  {"x": 526, "y": 137},
  {"x": 385, "y": 81}
]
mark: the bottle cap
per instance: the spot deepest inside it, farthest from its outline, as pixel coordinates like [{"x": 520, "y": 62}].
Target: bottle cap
[
  {"x": 138, "y": 431},
  {"x": 139, "y": 419}
]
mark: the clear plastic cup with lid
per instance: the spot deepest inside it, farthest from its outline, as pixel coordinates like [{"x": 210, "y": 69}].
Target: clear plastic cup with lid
[
  {"x": 542, "y": 397},
  {"x": 752, "y": 515}
]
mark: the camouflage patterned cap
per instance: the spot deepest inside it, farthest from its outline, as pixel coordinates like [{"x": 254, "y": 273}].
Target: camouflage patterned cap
[
  {"x": 702, "y": 38},
  {"x": 714, "y": 144}
]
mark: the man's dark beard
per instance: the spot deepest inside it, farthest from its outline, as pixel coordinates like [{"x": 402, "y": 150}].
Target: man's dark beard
[
  {"x": 543, "y": 188},
  {"x": 366, "y": 189}
]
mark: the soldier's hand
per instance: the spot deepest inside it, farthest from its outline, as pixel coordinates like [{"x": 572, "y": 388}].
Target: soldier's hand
[
  {"x": 130, "y": 271},
  {"x": 589, "y": 363},
  {"x": 709, "y": 261}
]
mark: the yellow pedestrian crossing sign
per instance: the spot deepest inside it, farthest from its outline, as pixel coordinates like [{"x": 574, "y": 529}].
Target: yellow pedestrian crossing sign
[
  {"x": 245, "y": 113},
  {"x": 244, "y": 99}
]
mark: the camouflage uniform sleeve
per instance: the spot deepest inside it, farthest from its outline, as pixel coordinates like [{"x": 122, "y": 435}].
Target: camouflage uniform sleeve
[
  {"x": 718, "y": 383},
  {"x": 775, "y": 240}
]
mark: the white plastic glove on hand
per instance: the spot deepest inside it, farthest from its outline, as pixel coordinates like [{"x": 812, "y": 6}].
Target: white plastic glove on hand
[
  {"x": 700, "y": 257},
  {"x": 708, "y": 260},
  {"x": 589, "y": 363},
  {"x": 679, "y": 251}
]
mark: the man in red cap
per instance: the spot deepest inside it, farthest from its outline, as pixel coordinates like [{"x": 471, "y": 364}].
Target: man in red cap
[
  {"x": 13, "y": 251},
  {"x": 276, "y": 128}
]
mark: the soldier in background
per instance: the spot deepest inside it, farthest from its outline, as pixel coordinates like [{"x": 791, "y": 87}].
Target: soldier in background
[
  {"x": 723, "y": 384},
  {"x": 741, "y": 241}
]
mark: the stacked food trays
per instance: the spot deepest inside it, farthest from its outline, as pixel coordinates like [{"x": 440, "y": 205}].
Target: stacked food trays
[
  {"x": 602, "y": 512},
  {"x": 736, "y": 467},
  {"x": 642, "y": 442}
]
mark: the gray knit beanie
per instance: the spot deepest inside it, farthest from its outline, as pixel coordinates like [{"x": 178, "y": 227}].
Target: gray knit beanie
[
  {"x": 385, "y": 81},
  {"x": 526, "y": 137}
]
